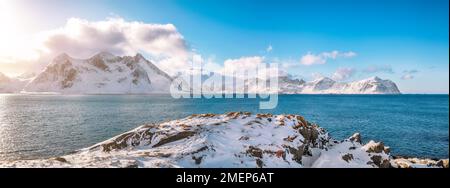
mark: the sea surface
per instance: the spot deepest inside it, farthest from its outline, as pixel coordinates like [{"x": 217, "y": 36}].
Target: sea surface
[{"x": 42, "y": 126}]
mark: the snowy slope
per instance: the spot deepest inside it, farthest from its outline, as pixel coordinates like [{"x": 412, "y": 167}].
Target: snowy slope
[
  {"x": 235, "y": 139},
  {"x": 103, "y": 73},
  {"x": 10, "y": 85}
]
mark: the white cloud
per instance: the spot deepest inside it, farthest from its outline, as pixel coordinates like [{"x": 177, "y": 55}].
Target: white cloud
[
  {"x": 83, "y": 38},
  {"x": 231, "y": 66},
  {"x": 343, "y": 73},
  {"x": 240, "y": 66},
  {"x": 379, "y": 69},
  {"x": 312, "y": 59},
  {"x": 269, "y": 48},
  {"x": 413, "y": 71},
  {"x": 80, "y": 38},
  {"x": 407, "y": 77},
  {"x": 409, "y": 74}
]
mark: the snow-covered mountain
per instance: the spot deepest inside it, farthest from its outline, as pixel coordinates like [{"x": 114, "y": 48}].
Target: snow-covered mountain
[
  {"x": 103, "y": 73},
  {"x": 373, "y": 85},
  {"x": 236, "y": 139},
  {"x": 10, "y": 85},
  {"x": 325, "y": 85}
]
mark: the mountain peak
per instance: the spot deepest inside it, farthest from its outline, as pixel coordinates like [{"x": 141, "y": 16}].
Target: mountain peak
[
  {"x": 3, "y": 77},
  {"x": 104, "y": 55},
  {"x": 139, "y": 56},
  {"x": 374, "y": 78},
  {"x": 62, "y": 57},
  {"x": 324, "y": 78}
]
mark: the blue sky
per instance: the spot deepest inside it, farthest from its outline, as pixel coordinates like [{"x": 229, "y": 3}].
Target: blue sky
[{"x": 393, "y": 38}]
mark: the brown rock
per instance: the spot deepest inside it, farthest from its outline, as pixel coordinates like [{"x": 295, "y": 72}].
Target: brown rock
[
  {"x": 297, "y": 153},
  {"x": 442, "y": 163},
  {"x": 380, "y": 162},
  {"x": 255, "y": 152},
  {"x": 376, "y": 148},
  {"x": 302, "y": 121},
  {"x": 347, "y": 157},
  {"x": 178, "y": 136},
  {"x": 356, "y": 138},
  {"x": 234, "y": 115},
  {"x": 259, "y": 163},
  {"x": 60, "y": 159},
  {"x": 281, "y": 153}
]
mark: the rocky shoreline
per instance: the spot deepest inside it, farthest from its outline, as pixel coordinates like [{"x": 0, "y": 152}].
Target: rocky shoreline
[{"x": 235, "y": 139}]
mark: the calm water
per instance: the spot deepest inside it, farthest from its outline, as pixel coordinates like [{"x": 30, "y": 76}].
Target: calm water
[{"x": 34, "y": 126}]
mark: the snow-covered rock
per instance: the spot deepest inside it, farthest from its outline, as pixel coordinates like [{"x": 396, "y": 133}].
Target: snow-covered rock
[
  {"x": 404, "y": 162},
  {"x": 236, "y": 139},
  {"x": 103, "y": 73}
]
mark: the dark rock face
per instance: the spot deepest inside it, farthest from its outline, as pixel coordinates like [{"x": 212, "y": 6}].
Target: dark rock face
[
  {"x": 380, "y": 162},
  {"x": 297, "y": 153},
  {"x": 255, "y": 152},
  {"x": 442, "y": 163},
  {"x": 173, "y": 138},
  {"x": 70, "y": 77},
  {"x": 347, "y": 157},
  {"x": 356, "y": 138},
  {"x": 98, "y": 62}
]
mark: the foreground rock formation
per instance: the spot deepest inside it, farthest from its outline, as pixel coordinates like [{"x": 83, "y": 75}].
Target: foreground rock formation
[{"x": 236, "y": 139}]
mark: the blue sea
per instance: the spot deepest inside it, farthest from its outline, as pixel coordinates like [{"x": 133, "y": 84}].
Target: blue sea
[{"x": 42, "y": 126}]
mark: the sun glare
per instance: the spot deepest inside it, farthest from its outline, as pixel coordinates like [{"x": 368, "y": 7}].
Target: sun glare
[
  {"x": 13, "y": 43},
  {"x": 9, "y": 30}
]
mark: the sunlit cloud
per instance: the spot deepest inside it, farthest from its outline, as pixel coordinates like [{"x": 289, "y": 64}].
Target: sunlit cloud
[
  {"x": 343, "y": 73},
  {"x": 82, "y": 38},
  {"x": 409, "y": 74},
  {"x": 322, "y": 58},
  {"x": 269, "y": 48},
  {"x": 379, "y": 69}
]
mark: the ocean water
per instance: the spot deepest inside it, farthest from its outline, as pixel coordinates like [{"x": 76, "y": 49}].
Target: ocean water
[{"x": 41, "y": 126}]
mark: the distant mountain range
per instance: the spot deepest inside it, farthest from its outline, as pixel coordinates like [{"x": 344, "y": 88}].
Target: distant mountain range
[
  {"x": 105, "y": 73},
  {"x": 11, "y": 85}
]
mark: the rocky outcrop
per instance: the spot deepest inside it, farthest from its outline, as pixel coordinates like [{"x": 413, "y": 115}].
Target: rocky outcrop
[{"x": 411, "y": 162}]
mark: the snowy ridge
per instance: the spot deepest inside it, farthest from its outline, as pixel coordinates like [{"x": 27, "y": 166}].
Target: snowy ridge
[
  {"x": 325, "y": 85},
  {"x": 235, "y": 139}
]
